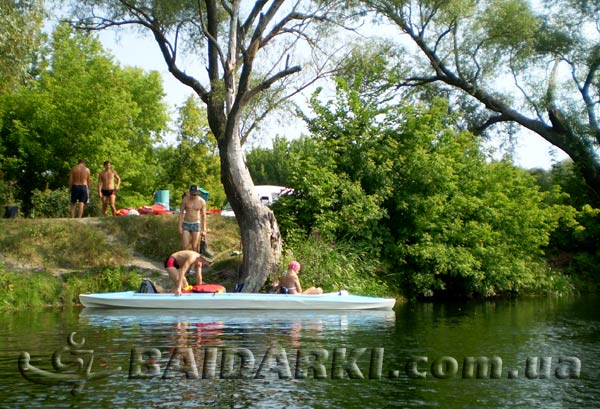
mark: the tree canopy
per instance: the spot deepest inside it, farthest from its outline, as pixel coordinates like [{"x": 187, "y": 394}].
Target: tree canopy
[
  {"x": 416, "y": 191},
  {"x": 510, "y": 62},
  {"x": 20, "y": 40},
  {"x": 194, "y": 159},
  {"x": 83, "y": 106}
]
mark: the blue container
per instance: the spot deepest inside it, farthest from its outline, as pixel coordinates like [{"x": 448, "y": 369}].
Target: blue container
[
  {"x": 203, "y": 194},
  {"x": 162, "y": 198}
]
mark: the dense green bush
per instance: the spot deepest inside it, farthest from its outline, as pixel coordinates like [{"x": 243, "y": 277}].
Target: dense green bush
[
  {"x": 417, "y": 194},
  {"x": 33, "y": 289},
  {"x": 50, "y": 203},
  {"x": 574, "y": 246},
  {"x": 55, "y": 203}
]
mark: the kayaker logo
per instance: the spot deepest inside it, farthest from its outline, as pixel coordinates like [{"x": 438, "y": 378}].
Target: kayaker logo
[
  {"x": 73, "y": 365},
  {"x": 75, "y": 369}
]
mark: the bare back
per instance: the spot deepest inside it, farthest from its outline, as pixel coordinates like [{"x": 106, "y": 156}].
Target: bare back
[
  {"x": 185, "y": 256},
  {"x": 79, "y": 175},
  {"x": 291, "y": 282}
]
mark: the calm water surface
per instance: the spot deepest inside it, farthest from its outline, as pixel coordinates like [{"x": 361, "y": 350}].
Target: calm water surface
[{"x": 411, "y": 357}]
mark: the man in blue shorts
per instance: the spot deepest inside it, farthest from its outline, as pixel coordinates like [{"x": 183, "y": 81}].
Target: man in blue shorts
[
  {"x": 79, "y": 185},
  {"x": 192, "y": 219}
]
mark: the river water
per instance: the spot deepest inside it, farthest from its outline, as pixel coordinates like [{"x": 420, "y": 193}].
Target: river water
[{"x": 541, "y": 352}]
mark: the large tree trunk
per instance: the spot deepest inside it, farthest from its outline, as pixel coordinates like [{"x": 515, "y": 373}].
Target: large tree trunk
[{"x": 261, "y": 241}]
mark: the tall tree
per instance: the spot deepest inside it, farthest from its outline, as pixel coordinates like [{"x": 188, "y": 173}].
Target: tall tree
[
  {"x": 233, "y": 38},
  {"x": 532, "y": 66},
  {"x": 20, "y": 39}
]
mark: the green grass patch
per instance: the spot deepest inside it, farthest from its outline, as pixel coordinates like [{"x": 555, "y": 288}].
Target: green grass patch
[
  {"x": 59, "y": 243},
  {"x": 156, "y": 237},
  {"x": 34, "y": 289},
  {"x": 99, "y": 281}
]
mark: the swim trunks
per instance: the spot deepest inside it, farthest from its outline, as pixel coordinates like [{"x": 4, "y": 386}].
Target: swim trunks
[
  {"x": 286, "y": 290},
  {"x": 171, "y": 262},
  {"x": 192, "y": 227},
  {"x": 107, "y": 192},
  {"x": 79, "y": 193}
]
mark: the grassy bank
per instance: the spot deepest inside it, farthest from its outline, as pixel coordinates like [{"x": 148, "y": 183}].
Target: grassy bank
[{"x": 49, "y": 262}]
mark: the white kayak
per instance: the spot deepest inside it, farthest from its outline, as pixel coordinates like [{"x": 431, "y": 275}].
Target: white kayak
[{"x": 236, "y": 301}]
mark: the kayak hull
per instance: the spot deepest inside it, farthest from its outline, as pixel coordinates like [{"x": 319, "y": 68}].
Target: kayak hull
[{"x": 236, "y": 301}]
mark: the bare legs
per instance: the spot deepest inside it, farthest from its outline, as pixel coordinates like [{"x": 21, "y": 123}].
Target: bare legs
[
  {"x": 79, "y": 209},
  {"x": 192, "y": 238},
  {"x": 106, "y": 200}
]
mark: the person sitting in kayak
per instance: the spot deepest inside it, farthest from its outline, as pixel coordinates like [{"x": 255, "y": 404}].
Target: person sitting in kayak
[
  {"x": 290, "y": 283},
  {"x": 178, "y": 264}
]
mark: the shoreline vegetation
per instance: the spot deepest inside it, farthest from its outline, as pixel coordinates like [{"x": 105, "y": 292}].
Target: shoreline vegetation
[{"x": 49, "y": 262}]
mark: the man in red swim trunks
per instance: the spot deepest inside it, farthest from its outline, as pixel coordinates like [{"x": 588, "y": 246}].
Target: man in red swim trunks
[{"x": 178, "y": 263}]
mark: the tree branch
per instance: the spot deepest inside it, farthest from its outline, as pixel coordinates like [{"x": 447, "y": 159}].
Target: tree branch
[
  {"x": 589, "y": 103},
  {"x": 270, "y": 81}
]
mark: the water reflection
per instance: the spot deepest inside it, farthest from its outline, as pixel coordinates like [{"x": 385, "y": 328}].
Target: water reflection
[
  {"x": 330, "y": 320},
  {"x": 240, "y": 328}
]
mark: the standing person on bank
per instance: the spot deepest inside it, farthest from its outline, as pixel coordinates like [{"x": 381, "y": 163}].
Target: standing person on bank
[
  {"x": 79, "y": 185},
  {"x": 107, "y": 190},
  {"x": 192, "y": 220}
]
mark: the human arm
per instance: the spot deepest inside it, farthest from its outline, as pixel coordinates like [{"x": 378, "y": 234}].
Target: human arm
[
  {"x": 118, "y": 179},
  {"x": 100, "y": 185},
  {"x": 181, "y": 213},
  {"x": 198, "y": 272},
  {"x": 87, "y": 178},
  {"x": 181, "y": 276},
  {"x": 297, "y": 285},
  {"x": 203, "y": 218}
]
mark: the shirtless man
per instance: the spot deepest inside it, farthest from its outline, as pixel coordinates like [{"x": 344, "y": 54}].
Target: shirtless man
[
  {"x": 79, "y": 185},
  {"x": 290, "y": 283},
  {"x": 107, "y": 190},
  {"x": 178, "y": 263},
  {"x": 192, "y": 219}
]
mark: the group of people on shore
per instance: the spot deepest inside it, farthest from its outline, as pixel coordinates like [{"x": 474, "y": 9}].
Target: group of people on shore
[
  {"x": 109, "y": 183},
  {"x": 191, "y": 223},
  {"x": 192, "y": 219}
]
